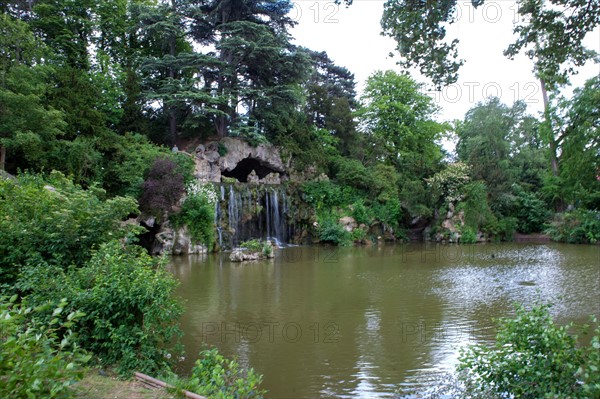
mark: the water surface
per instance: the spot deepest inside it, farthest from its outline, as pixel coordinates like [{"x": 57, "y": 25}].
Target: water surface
[{"x": 372, "y": 322}]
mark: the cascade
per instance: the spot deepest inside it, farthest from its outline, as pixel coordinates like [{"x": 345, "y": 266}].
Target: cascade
[{"x": 251, "y": 211}]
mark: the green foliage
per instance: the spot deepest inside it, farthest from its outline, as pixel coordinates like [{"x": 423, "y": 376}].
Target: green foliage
[
  {"x": 552, "y": 35},
  {"x": 532, "y": 358},
  {"x": 579, "y": 226},
  {"x": 475, "y": 206},
  {"x": 198, "y": 214},
  {"x": 389, "y": 212},
  {"x": 353, "y": 173},
  {"x": 331, "y": 231},
  {"x": 358, "y": 234},
  {"x": 468, "y": 236},
  {"x": 531, "y": 212},
  {"x": 54, "y": 221},
  {"x": 267, "y": 249},
  {"x": 398, "y": 117},
  {"x": 253, "y": 245},
  {"x": 222, "y": 149},
  {"x": 322, "y": 194},
  {"x": 131, "y": 160},
  {"x": 360, "y": 213},
  {"x": 217, "y": 377},
  {"x": 38, "y": 359},
  {"x": 250, "y": 134},
  {"x": 130, "y": 312}
]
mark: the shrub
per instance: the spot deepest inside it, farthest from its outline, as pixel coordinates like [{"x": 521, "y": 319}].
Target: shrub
[
  {"x": 198, "y": 213},
  {"x": 331, "y": 231},
  {"x": 267, "y": 249},
  {"x": 352, "y": 173},
  {"x": 358, "y": 234},
  {"x": 133, "y": 157},
  {"x": 54, "y": 220},
  {"x": 468, "y": 236},
  {"x": 389, "y": 212},
  {"x": 322, "y": 194},
  {"x": 531, "y": 212},
  {"x": 579, "y": 226},
  {"x": 475, "y": 206},
  {"x": 37, "y": 359},
  {"x": 130, "y": 311},
  {"x": 215, "y": 376},
  {"x": 162, "y": 189},
  {"x": 532, "y": 358},
  {"x": 253, "y": 245},
  {"x": 360, "y": 213}
]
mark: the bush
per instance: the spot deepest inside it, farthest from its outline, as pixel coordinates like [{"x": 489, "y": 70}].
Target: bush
[
  {"x": 389, "y": 212},
  {"x": 214, "y": 376},
  {"x": 468, "y": 236},
  {"x": 532, "y": 358},
  {"x": 253, "y": 245},
  {"x": 360, "y": 213},
  {"x": 198, "y": 214},
  {"x": 352, "y": 173},
  {"x": 331, "y": 231},
  {"x": 580, "y": 226},
  {"x": 477, "y": 211},
  {"x": 532, "y": 213},
  {"x": 130, "y": 313},
  {"x": 162, "y": 189},
  {"x": 53, "y": 221},
  {"x": 38, "y": 360},
  {"x": 322, "y": 194}
]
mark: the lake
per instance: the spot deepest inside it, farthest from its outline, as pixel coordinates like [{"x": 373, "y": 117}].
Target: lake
[{"x": 377, "y": 321}]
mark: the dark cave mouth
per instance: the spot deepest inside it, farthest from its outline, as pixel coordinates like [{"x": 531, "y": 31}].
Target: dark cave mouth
[{"x": 245, "y": 167}]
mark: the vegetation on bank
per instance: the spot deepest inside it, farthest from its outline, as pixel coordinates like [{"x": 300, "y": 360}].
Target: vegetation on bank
[
  {"x": 93, "y": 95},
  {"x": 81, "y": 291}
]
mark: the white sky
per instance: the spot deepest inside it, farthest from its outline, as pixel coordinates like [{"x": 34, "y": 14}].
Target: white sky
[{"x": 351, "y": 37}]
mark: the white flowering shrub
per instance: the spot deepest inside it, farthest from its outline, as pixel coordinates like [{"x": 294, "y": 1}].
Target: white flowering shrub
[
  {"x": 207, "y": 191},
  {"x": 450, "y": 183}
]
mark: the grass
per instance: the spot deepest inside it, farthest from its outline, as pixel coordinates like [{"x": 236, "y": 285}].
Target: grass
[{"x": 109, "y": 386}]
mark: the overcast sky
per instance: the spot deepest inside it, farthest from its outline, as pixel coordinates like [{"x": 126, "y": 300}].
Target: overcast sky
[{"x": 351, "y": 37}]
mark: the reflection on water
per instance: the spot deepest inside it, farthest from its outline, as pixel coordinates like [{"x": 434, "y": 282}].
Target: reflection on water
[{"x": 372, "y": 322}]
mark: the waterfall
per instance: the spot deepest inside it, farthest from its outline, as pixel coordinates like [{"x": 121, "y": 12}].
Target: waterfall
[{"x": 251, "y": 211}]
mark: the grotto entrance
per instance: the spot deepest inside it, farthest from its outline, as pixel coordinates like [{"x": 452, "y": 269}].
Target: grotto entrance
[{"x": 245, "y": 167}]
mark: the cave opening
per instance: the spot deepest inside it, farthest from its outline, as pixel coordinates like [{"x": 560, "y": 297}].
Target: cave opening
[{"x": 245, "y": 166}]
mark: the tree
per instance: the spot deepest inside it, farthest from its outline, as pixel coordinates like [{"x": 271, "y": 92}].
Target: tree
[
  {"x": 500, "y": 144},
  {"x": 577, "y": 123},
  {"x": 28, "y": 126},
  {"x": 331, "y": 100},
  {"x": 551, "y": 33},
  {"x": 398, "y": 119},
  {"x": 398, "y": 116},
  {"x": 259, "y": 70}
]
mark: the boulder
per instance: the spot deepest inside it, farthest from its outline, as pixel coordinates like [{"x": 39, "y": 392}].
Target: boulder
[
  {"x": 253, "y": 177},
  {"x": 348, "y": 223},
  {"x": 271, "y": 178}
]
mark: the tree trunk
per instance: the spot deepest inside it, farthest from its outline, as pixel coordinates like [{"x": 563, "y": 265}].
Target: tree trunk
[
  {"x": 560, "y": 205},
  {"x": 172, "y": 114},
  {"x": 2, "y": 156},
  {"x": 551, "y": 138}
]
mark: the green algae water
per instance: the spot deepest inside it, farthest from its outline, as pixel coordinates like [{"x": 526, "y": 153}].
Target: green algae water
[{"x": 373, "y": 322}]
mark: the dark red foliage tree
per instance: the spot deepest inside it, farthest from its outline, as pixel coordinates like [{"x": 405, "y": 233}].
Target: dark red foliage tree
[{"x": 162, "y": 189}]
